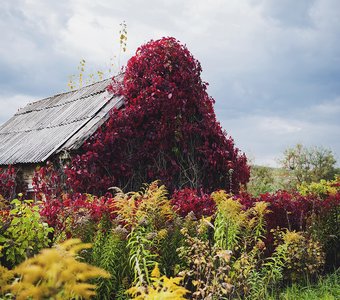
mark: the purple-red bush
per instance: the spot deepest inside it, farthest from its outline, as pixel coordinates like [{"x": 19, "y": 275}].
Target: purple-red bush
[
  {"x": 167, "y": 130},
  {"x": 317, "y": 215},
  {"x": 292, "y": 210},
  {"x": 11, "y": 183},
  {"x": 73, "y": 210},
  {"x": 190, "y": 200},
  {"x": 49, "y": 182},
  {"x": 288, "y": 210}
]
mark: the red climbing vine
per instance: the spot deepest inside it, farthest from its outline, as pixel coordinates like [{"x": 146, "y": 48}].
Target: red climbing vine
[{"x": 167, "y": 130}]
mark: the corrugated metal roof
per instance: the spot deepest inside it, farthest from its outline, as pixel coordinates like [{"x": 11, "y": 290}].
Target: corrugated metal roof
[{"x": 60, "y": 122}]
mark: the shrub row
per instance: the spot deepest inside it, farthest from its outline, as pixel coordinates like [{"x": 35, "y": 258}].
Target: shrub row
[{"x": 220, "y": 245}]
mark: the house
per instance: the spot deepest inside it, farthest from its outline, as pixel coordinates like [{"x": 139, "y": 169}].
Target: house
[{"x": 53, "y": 127}]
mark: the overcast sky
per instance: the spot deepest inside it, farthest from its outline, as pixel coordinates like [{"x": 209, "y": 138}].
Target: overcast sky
[{"x": 273, "y": 67}]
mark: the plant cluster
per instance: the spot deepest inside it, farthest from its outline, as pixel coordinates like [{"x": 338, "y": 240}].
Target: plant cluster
[
  {"x": 322, "y": 189},
  {"x": 167, "y": 130},
  {"x": 22, "y": 232},
  {"x": 110, "y": 253},
  {"x": 75, "y": 215},
  {"x": 305, "y": 256},
  {"x": 294, "y": 210},
  {"x": 190, "y": 200},
  {"x": 327, "y": 287},
  {"x": 49, "y": 182},
  {"x": 232, "y": 251},
  {"x": 205, "y": 267},
  {"x": 11, "y": 183},
  {"x": 55, "y": 274},
  {"x": 162, "y": 287}
]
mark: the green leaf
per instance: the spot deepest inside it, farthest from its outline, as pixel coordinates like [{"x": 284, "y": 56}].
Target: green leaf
[
  {"x": 3, "y": 239},
  {"x": 16, "y": 202},
  {"x": 15, "y": 221}
]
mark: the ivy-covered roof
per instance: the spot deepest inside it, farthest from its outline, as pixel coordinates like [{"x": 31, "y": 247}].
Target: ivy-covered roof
[{"x": 57, "y": 123}]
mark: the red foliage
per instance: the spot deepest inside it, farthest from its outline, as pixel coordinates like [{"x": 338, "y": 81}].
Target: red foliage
[
  {"x": 296, "y": 212},
  {"x": 11, "y": 183},
  {"x": 48, "y": 182},
  {"x": 70, "y": 211},
  {"x": 329, "y": 203},
  {"x": 292, "y": 210},
  {"x": 167, "y": 130},
  {"x": 190, "y": 200},
  {"x": 289, "y": 210}
]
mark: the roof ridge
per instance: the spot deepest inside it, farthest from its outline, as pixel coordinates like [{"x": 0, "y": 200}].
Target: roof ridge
[
  {"x": 56, "y": 105},
  {"x": 64, "y": 103},
  {"x": 68, "y": 92}
]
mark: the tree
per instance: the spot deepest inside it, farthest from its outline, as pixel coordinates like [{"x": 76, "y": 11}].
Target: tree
[
  {"x": 309, "y": 164},
  {"x": 167, "y": 130},
  {"x": 262, "y": 180}
]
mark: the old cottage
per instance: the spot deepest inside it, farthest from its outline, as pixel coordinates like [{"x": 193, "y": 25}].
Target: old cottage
[{"x": 54, "y": 127}]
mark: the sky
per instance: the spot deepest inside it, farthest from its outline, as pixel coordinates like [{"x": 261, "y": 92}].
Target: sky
[{"x": 273, "y": 67}]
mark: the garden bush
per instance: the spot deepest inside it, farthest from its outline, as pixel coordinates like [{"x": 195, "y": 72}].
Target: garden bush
[
  {"x": 205, "y": 246},
  {"x": 75, "y": 215},
  {"x": 22, "y": 232},
  {"x": 49, "y": 181},
  {"x": 167, "y": 130},
  {"x": 53, "y": 274},
  {"x": 11, "y": 182},
  {"x": 189, "y": 200},
  {"x": 315, "y": 210}
]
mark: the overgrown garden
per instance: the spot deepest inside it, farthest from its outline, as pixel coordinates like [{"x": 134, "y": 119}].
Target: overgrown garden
[{"x": 155, "y": 206}]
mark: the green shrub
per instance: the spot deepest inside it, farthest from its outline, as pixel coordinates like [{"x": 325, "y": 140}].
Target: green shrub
[
  {"x": 110, "y": 253},
  {"x": 25, "y": 234},
  {"x": 305, "y": 257}
]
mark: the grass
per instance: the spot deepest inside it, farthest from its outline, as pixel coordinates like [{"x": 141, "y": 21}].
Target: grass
[{"x": 327, "y": 288}]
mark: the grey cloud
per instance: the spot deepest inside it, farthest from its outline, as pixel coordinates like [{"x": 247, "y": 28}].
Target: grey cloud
[
  {"x": 289, "y": 12},
  {"x": 270, "y": 64},
  {"x": 271, "y": 135},
  {"x": 11, "y": 104}
]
